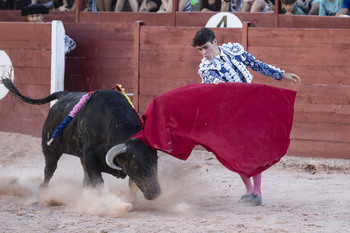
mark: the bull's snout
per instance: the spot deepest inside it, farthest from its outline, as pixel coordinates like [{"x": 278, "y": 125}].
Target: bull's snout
[{"x": 153, "y": 194}]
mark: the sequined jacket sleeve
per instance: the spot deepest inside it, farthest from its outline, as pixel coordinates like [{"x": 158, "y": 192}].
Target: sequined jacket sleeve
[
  {"x": 217, "y": 70},
  {"x": 69, "y": 44},
  {"x": 261, "y": 67}
]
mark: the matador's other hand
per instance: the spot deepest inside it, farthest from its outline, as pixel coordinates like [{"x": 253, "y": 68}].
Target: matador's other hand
[
  {"x": 217, "y": 81},
  {"x": 291, "y": 77}
]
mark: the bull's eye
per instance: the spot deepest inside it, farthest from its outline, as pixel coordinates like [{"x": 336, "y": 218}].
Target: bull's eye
[{"x": 134, "y": 165}]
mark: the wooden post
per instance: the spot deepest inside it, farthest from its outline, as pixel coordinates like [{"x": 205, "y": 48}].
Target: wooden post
[
  {"x": 245, "y": 35},
  {"x": 136, "y": 81},
  {"x": 175, "y": 8},
  {"x": 276, "y": 13},
  {"x": 78, "y": 7}
]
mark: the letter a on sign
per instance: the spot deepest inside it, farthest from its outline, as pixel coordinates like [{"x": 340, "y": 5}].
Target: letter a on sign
[{"x": 224, "y": 20}]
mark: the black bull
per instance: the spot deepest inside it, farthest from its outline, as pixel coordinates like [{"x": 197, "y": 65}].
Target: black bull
[{"x": 107, "y": 120}]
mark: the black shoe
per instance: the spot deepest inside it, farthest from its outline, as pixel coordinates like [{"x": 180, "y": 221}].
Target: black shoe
[
  {"x": 246, "y": 197},
  {"x": 255, "y": 200}
]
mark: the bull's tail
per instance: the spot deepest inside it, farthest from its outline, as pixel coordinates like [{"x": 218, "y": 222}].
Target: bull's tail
[{"x": 13, "y": 89}]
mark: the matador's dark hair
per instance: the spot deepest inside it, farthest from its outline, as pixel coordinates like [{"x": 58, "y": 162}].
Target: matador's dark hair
[{"x": 203, "y": 36}]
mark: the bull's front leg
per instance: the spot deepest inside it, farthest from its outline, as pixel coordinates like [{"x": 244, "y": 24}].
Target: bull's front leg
[
  {"x": 92, "y": 167},
  {"x": 86, "y": 181}
]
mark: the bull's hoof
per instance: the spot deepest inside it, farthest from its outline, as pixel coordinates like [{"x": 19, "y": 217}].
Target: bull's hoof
[{"x": 43, "y": 186}]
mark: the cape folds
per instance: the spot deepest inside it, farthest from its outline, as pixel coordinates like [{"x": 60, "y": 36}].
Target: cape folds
[{"x": 246, "y": 126}]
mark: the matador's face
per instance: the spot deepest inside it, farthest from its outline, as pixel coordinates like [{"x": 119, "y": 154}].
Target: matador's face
[{"x": 209, "y": 50}]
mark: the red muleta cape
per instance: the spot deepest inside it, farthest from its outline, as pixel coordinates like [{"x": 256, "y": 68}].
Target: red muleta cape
[{"x": 246, "y": 126}]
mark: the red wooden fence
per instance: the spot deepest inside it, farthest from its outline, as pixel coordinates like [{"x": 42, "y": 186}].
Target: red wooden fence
[
  {"x": 149, "y": 60},
  {"x": 29, "y": 48}
]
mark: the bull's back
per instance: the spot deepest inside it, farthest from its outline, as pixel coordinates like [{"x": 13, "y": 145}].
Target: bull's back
[
  {"x": 110, "y": 114},
  {"x": 106, "y": 118}
]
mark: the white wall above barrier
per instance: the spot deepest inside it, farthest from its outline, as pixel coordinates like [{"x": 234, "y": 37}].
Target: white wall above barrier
[{"x": 57, "y": 57}]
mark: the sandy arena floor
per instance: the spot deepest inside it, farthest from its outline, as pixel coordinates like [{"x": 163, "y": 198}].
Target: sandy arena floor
[{"x": 198, "y": 195}]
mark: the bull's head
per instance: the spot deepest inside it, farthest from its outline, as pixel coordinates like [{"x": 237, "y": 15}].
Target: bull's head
[{"x": 139, "y": 162}]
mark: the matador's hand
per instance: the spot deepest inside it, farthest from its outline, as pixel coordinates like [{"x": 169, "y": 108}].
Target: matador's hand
[
  {"x": 291, "y": 77},
  {"x": 217, "y": 81}
]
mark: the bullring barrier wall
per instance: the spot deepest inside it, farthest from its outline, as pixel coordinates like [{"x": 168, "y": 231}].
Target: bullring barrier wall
[{"x": 150, "y": 60}]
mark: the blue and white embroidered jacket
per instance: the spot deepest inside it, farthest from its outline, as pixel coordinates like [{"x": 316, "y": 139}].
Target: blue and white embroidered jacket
[{"x": 216, "y": 69}]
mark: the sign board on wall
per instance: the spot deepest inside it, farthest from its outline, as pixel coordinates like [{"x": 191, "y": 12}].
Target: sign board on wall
[
  {"x": 224, "y": 20},
  {"x": 6, "y": 70}
]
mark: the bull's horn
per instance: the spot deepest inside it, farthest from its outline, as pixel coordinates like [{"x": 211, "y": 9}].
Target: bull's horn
[{"x": 112, "y": 153}]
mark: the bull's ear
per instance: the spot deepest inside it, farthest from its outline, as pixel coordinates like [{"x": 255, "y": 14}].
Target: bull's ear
[{"x": 113, "y": 152}]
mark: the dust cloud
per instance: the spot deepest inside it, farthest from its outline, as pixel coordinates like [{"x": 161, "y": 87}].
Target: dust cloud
[
  {"x": 66, "y": 190},
  {"x": 84, "y": 200}
]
